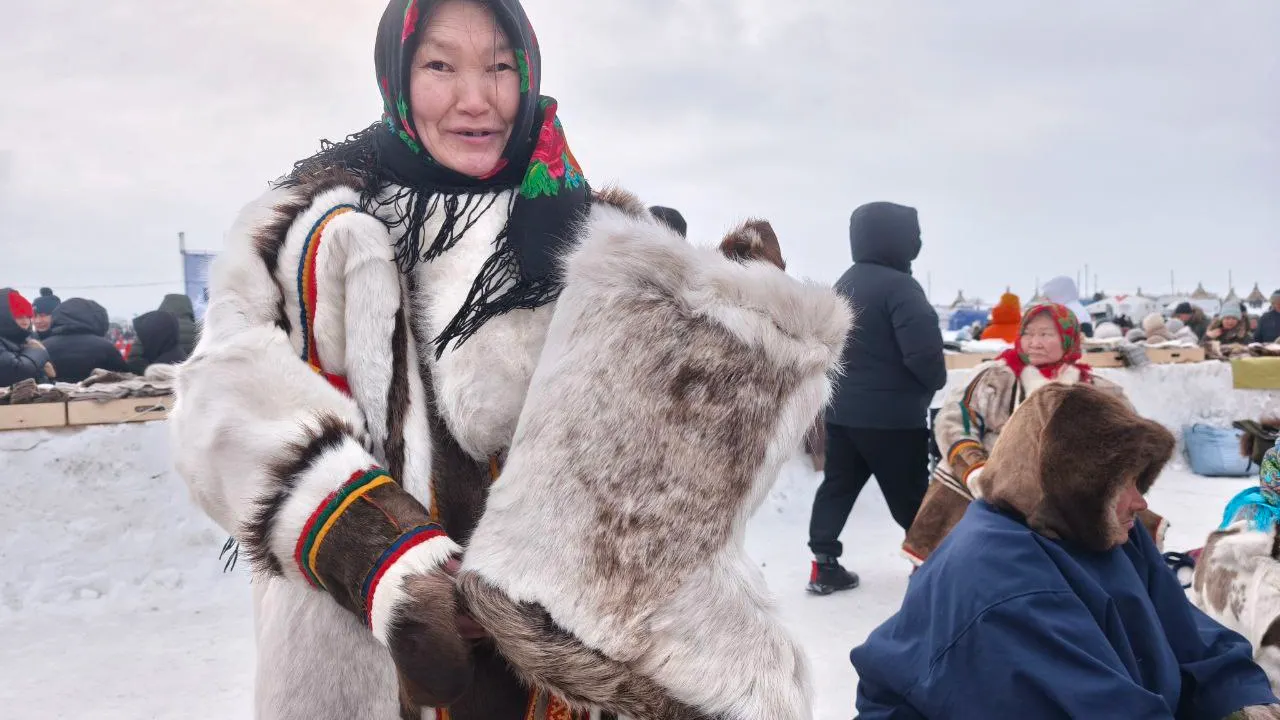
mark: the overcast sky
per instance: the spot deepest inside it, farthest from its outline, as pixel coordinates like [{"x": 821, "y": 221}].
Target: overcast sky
[{"x": 1140, "y": 137}]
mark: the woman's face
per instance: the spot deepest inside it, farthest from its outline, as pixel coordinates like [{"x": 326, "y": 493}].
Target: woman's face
[
  {"x": 1229, "y": 323},
  {"x": 1040, "y": 341},
  {"x": 464, "y": 88}
]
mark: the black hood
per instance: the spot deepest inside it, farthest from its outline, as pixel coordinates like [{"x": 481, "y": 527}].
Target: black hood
[
  {"x": 158, "y": 333},
  {"x": 78, "y": 316},
  {"x": 179, "y": 305},
  {"x": 884, "y": 233},
  {"x": 9, "y": 329}
]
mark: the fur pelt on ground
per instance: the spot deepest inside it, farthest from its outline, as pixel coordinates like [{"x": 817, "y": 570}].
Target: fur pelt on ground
[{"x": 609, "y": 563}]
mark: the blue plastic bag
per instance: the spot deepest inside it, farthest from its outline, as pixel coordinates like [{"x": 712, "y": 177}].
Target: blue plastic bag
[{"x": 1215, "y": 451}]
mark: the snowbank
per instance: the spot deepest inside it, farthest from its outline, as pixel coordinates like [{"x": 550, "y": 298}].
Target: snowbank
[{"x": 97, "y": 518}]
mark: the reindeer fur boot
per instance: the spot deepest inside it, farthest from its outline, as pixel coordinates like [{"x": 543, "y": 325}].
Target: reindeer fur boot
[{"x": 609, "y": 563}]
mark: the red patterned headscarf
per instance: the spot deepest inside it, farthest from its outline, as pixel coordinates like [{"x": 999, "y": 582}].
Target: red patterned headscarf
[{"x": 1068, "y": 327}]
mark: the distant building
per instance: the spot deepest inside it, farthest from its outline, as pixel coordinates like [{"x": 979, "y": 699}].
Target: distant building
[{"x": 1256, "y": 299}]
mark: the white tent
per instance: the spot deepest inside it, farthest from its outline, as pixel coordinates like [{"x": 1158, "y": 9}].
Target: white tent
[
  {"x": 1210, "y": 306},
  {"x": 1134, "y": 307}
]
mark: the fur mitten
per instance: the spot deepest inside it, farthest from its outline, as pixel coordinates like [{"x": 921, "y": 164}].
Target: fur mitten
[{"x": 609, "y": 564}]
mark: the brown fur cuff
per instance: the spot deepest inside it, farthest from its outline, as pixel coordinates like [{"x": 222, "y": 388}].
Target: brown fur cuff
[{"x": 374, "y": 548}]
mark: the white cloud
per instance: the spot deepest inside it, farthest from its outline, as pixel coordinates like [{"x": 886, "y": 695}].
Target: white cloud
[{"x": 1139, "y": 137}]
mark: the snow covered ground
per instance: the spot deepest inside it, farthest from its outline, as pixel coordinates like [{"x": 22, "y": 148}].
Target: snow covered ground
[{"x": 114, "y": 603}]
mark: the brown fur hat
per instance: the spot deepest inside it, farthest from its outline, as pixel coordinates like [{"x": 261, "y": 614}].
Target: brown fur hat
[{"x": 1065, "y": 454}]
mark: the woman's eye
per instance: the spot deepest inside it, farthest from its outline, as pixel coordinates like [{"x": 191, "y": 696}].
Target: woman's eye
[
  {"x": 437, "y": 65},
  {"x": 501, "y": 67}
]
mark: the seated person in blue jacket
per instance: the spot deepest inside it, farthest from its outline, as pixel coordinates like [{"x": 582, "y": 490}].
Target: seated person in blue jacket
[{"x": 1047, "y": 600}]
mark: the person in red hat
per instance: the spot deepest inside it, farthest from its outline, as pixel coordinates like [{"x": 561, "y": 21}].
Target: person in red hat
[{"x": 21, "y": 357}]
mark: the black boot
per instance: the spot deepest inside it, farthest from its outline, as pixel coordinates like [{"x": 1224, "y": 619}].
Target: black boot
[{"x": 828, "y": 576}]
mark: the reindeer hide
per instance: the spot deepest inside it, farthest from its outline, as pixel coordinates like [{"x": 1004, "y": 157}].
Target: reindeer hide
[
  {"x": 1237, "y": 583},
  {"x": 609, "y": 563}
]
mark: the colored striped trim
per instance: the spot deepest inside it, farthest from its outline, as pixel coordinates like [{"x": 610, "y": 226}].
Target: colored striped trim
[
  {"x": 403, "y": 544},
  {"x": 967, "y": 414},
  {"x": 308, "y": 289},
  {"x": 960, "y": 447},
  {"x": 327, "y": 514}
]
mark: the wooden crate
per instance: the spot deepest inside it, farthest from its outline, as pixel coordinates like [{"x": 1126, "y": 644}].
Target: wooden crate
[
  {"x": 37, "y": 415},
  {"x": 1172, "y": 356},
  {"x": 964, "y": 361},
  {"x": 125, "y": 410},
  {"x": 1103, "y": 359}
]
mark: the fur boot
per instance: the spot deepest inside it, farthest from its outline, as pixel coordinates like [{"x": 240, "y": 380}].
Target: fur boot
[{"x": 609, "y": 564}]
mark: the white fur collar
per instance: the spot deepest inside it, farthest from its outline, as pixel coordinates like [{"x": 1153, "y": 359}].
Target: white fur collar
[
  {"x": 1032, "y": 379},
  {"x": 480, "y": 385}
]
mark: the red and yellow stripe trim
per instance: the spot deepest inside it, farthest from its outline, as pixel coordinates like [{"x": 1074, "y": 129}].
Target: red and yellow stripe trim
[
  {"x": 308, "y": 290},
  {"x": 326, "y": 516}
]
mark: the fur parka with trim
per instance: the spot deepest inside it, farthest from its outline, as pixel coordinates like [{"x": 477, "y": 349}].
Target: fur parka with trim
[{"x": 317, "y": 426}]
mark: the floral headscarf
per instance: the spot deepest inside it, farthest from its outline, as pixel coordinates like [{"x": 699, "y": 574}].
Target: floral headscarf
[
  {"x": 1259, "y": 506},
  {"x": 405, "y": 184},
  {"x": 1068, "y": 327}
]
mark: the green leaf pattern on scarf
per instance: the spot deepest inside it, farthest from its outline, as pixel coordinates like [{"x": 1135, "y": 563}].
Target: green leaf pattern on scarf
[
  {"x": 522, "y": 60},
  {"x": 552, "y": 166}
]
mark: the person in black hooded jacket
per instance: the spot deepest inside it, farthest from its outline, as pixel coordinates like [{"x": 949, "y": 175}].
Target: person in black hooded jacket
[
  {"x": 893, "y": 365},
  {"x": 77, "y": 341},
  {"x": 188, "y": 329},
  {"x": 21, "y": 357},
  {"x": 158, "y": 341}
]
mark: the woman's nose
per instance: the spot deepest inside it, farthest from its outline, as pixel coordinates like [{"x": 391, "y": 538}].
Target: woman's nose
[
  {"x": 474, "y": 93},
  {"x": 1137, "y": 501}
]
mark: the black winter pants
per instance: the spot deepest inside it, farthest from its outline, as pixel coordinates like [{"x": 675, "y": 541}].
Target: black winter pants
[{"x": 898, "y": 458}]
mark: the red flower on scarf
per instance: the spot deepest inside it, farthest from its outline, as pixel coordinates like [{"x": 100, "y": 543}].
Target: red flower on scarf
[
  {"x": 551, "y": 146},
  {"x": 410, "y": 21}
]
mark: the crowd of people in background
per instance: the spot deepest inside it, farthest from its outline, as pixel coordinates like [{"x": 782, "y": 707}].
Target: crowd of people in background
[
  {"x": 52, "y": 340},
  {"x": 1040, "y": 464},
  {"x": 1188, "y": 324}
]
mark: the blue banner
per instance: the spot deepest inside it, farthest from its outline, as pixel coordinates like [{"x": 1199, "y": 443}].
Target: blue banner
[{"x": 195, "y": 279}]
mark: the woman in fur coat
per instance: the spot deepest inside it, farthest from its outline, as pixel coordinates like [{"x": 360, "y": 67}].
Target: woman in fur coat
[
  {"x": 371, "y": 340},
  {"x": 1229, "y": 328},
  {"x": 372, "y": 329},
  {"x": 1047, "y": 351}
]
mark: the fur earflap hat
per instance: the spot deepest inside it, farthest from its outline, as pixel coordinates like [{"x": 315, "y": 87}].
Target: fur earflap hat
[{"x": 1063, "y": 457}]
